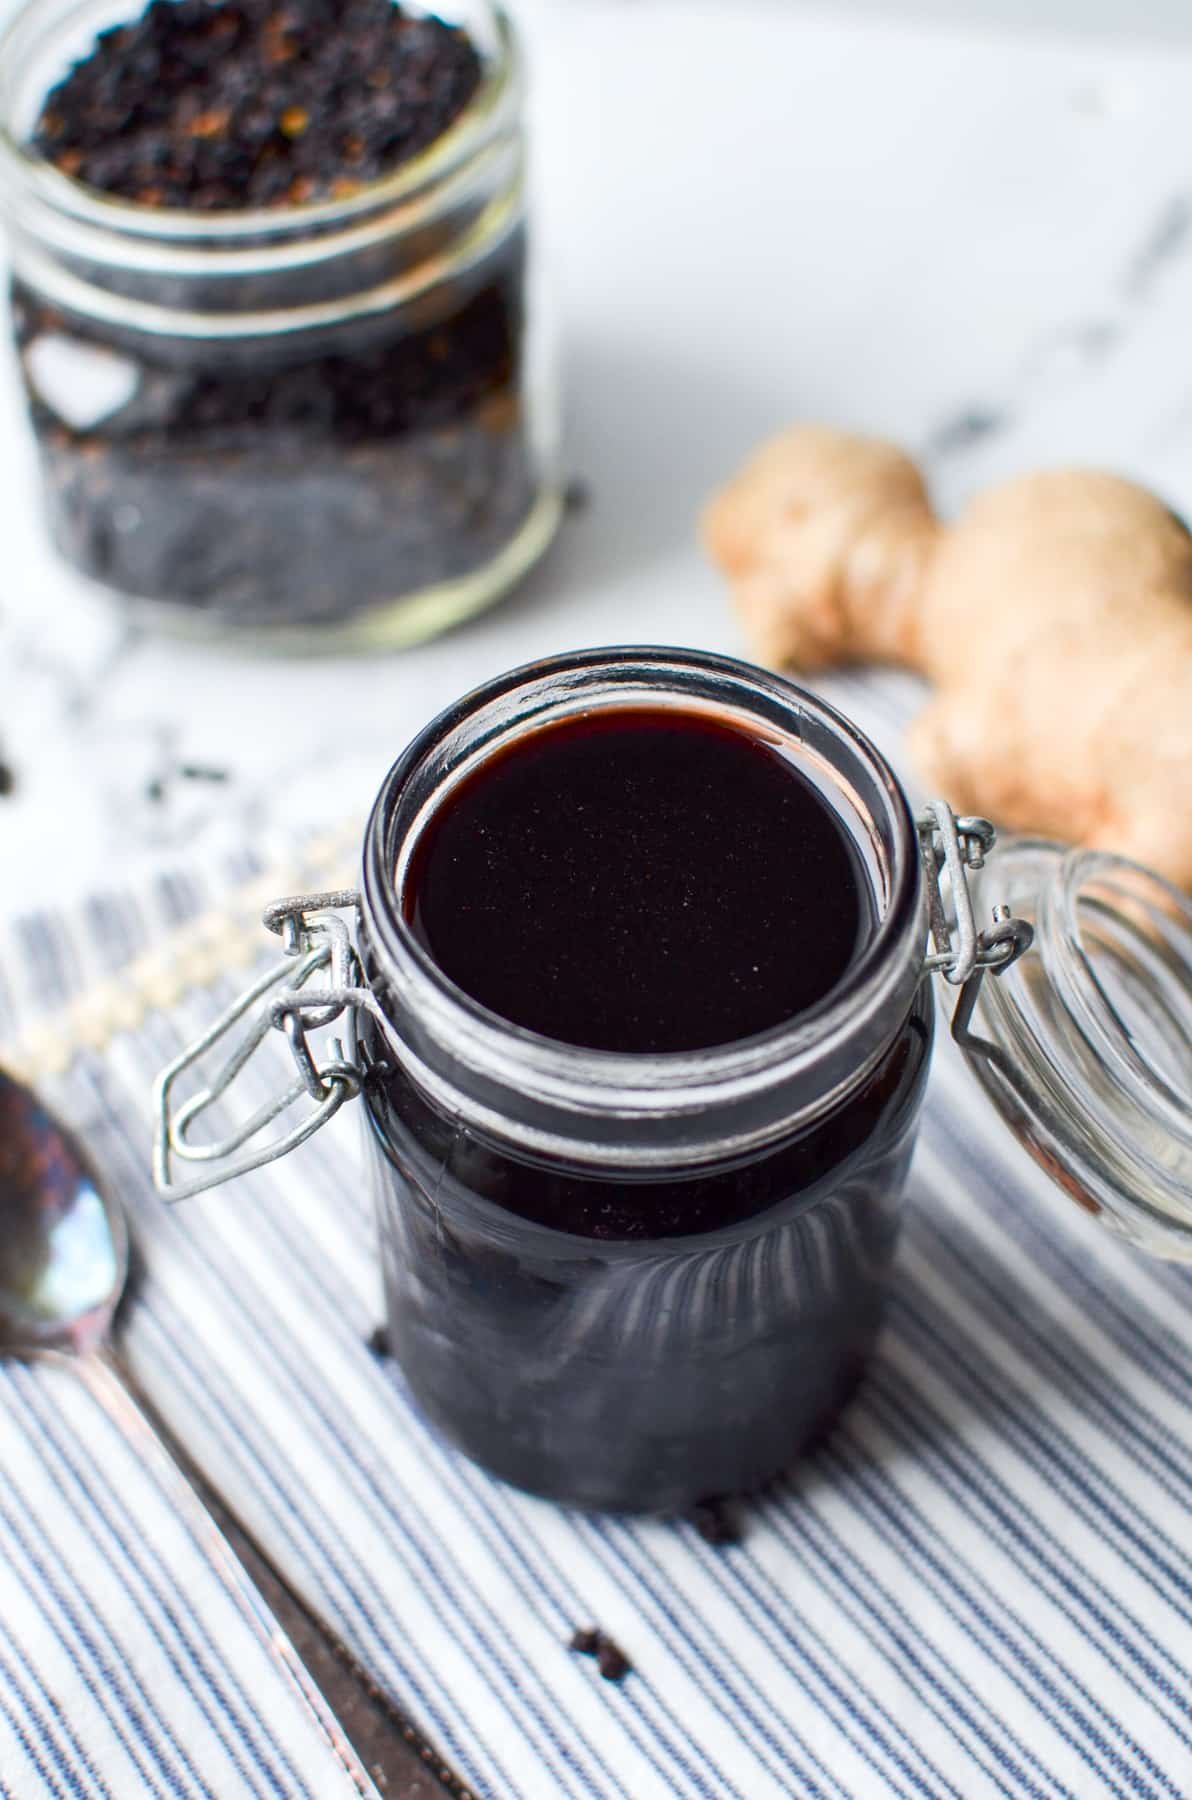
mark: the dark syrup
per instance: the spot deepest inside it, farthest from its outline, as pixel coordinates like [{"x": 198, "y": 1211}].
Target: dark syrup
[{"x": 640, "y": 880}]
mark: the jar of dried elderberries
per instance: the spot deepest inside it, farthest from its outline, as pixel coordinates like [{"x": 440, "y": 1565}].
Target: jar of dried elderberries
[{"x": 273, "y": 309}]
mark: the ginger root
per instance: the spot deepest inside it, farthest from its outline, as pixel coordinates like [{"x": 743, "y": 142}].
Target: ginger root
[{"x": 1054, "y": 619}]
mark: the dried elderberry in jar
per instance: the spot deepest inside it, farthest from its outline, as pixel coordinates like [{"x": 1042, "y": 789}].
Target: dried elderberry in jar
[{"x": 273, "y": 309}]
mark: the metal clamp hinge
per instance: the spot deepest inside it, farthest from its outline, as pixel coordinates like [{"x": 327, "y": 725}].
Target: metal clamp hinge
[
  {"x": 950, "y": 848},
  {"x": 317, "y": 943}
]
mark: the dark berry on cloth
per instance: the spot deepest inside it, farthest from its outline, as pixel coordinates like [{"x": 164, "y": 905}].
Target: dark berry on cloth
[
  {"x": 716, "y": 1521},
  {"x": 611, "y": 1660}
]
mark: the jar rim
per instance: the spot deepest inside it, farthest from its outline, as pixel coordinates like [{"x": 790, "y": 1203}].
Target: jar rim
[
  {"x": 266, "y": 229},
  {"x": 613, "y": 1106}
]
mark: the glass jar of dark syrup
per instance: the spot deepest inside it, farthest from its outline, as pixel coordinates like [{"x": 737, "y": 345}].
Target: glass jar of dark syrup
[
  {"x": 636, "y": 1006},
  {"x": 627, "y": 1267}
]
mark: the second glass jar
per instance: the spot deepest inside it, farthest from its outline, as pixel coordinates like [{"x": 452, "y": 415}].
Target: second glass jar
[{"x": 330, "y": 419}]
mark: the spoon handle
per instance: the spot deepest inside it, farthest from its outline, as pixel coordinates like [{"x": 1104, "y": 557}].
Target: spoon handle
[{"x": 372, "y": 1731}]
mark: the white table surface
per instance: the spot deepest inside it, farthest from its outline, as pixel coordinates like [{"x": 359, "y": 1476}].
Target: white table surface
[
  {"x": 1135, "y": 20},
  {"x": 979, "y": 242}
]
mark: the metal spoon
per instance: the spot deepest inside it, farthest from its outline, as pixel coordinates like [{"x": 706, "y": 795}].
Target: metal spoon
[{"x": 64, "y": 1248}]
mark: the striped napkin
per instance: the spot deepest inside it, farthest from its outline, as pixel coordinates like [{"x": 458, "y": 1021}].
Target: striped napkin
[
  {"x": 980, "y": 1585},
  {"x": 134, "y": 1658}
]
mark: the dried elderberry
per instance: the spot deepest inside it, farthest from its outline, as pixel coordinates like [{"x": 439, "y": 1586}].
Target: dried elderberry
[{"x": 251, "y": 103}]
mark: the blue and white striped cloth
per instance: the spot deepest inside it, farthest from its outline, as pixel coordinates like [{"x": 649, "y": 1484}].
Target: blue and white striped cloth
[
  {"x": 134, "y": 1658},
  {"x": 981, "y": 1585}
]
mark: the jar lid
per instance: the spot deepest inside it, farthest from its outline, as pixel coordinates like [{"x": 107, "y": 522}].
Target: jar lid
[{"x": 1084, "y": 1044}]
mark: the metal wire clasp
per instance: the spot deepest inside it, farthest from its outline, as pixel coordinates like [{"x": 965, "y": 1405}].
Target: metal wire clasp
[
  {"x": 317, "y": 942},
  {"x": 960, "y": 952}
]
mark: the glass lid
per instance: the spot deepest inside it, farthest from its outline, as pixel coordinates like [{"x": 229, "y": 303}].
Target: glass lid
[{"x": 1084, "y": 1044}]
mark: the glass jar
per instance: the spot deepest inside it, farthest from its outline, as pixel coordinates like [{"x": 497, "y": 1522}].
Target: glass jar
[
  {"x": 1085, "y": 1047},
  {"x": 332, "y": 419},
  {"x": 739, "y": 1206},
  {"x": 627, "y": 1281}
]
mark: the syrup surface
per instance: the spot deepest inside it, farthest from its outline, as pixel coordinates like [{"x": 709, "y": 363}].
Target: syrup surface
[{"x": 640, "y": 880}]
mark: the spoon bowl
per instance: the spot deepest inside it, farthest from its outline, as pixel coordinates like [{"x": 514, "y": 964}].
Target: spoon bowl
[{"x": 63, "y": 1242}]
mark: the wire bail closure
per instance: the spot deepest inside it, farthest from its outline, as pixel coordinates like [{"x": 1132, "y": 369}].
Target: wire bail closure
[
  {"x": 317, "y": 943},
  {"x": 950, "y": 848}
]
